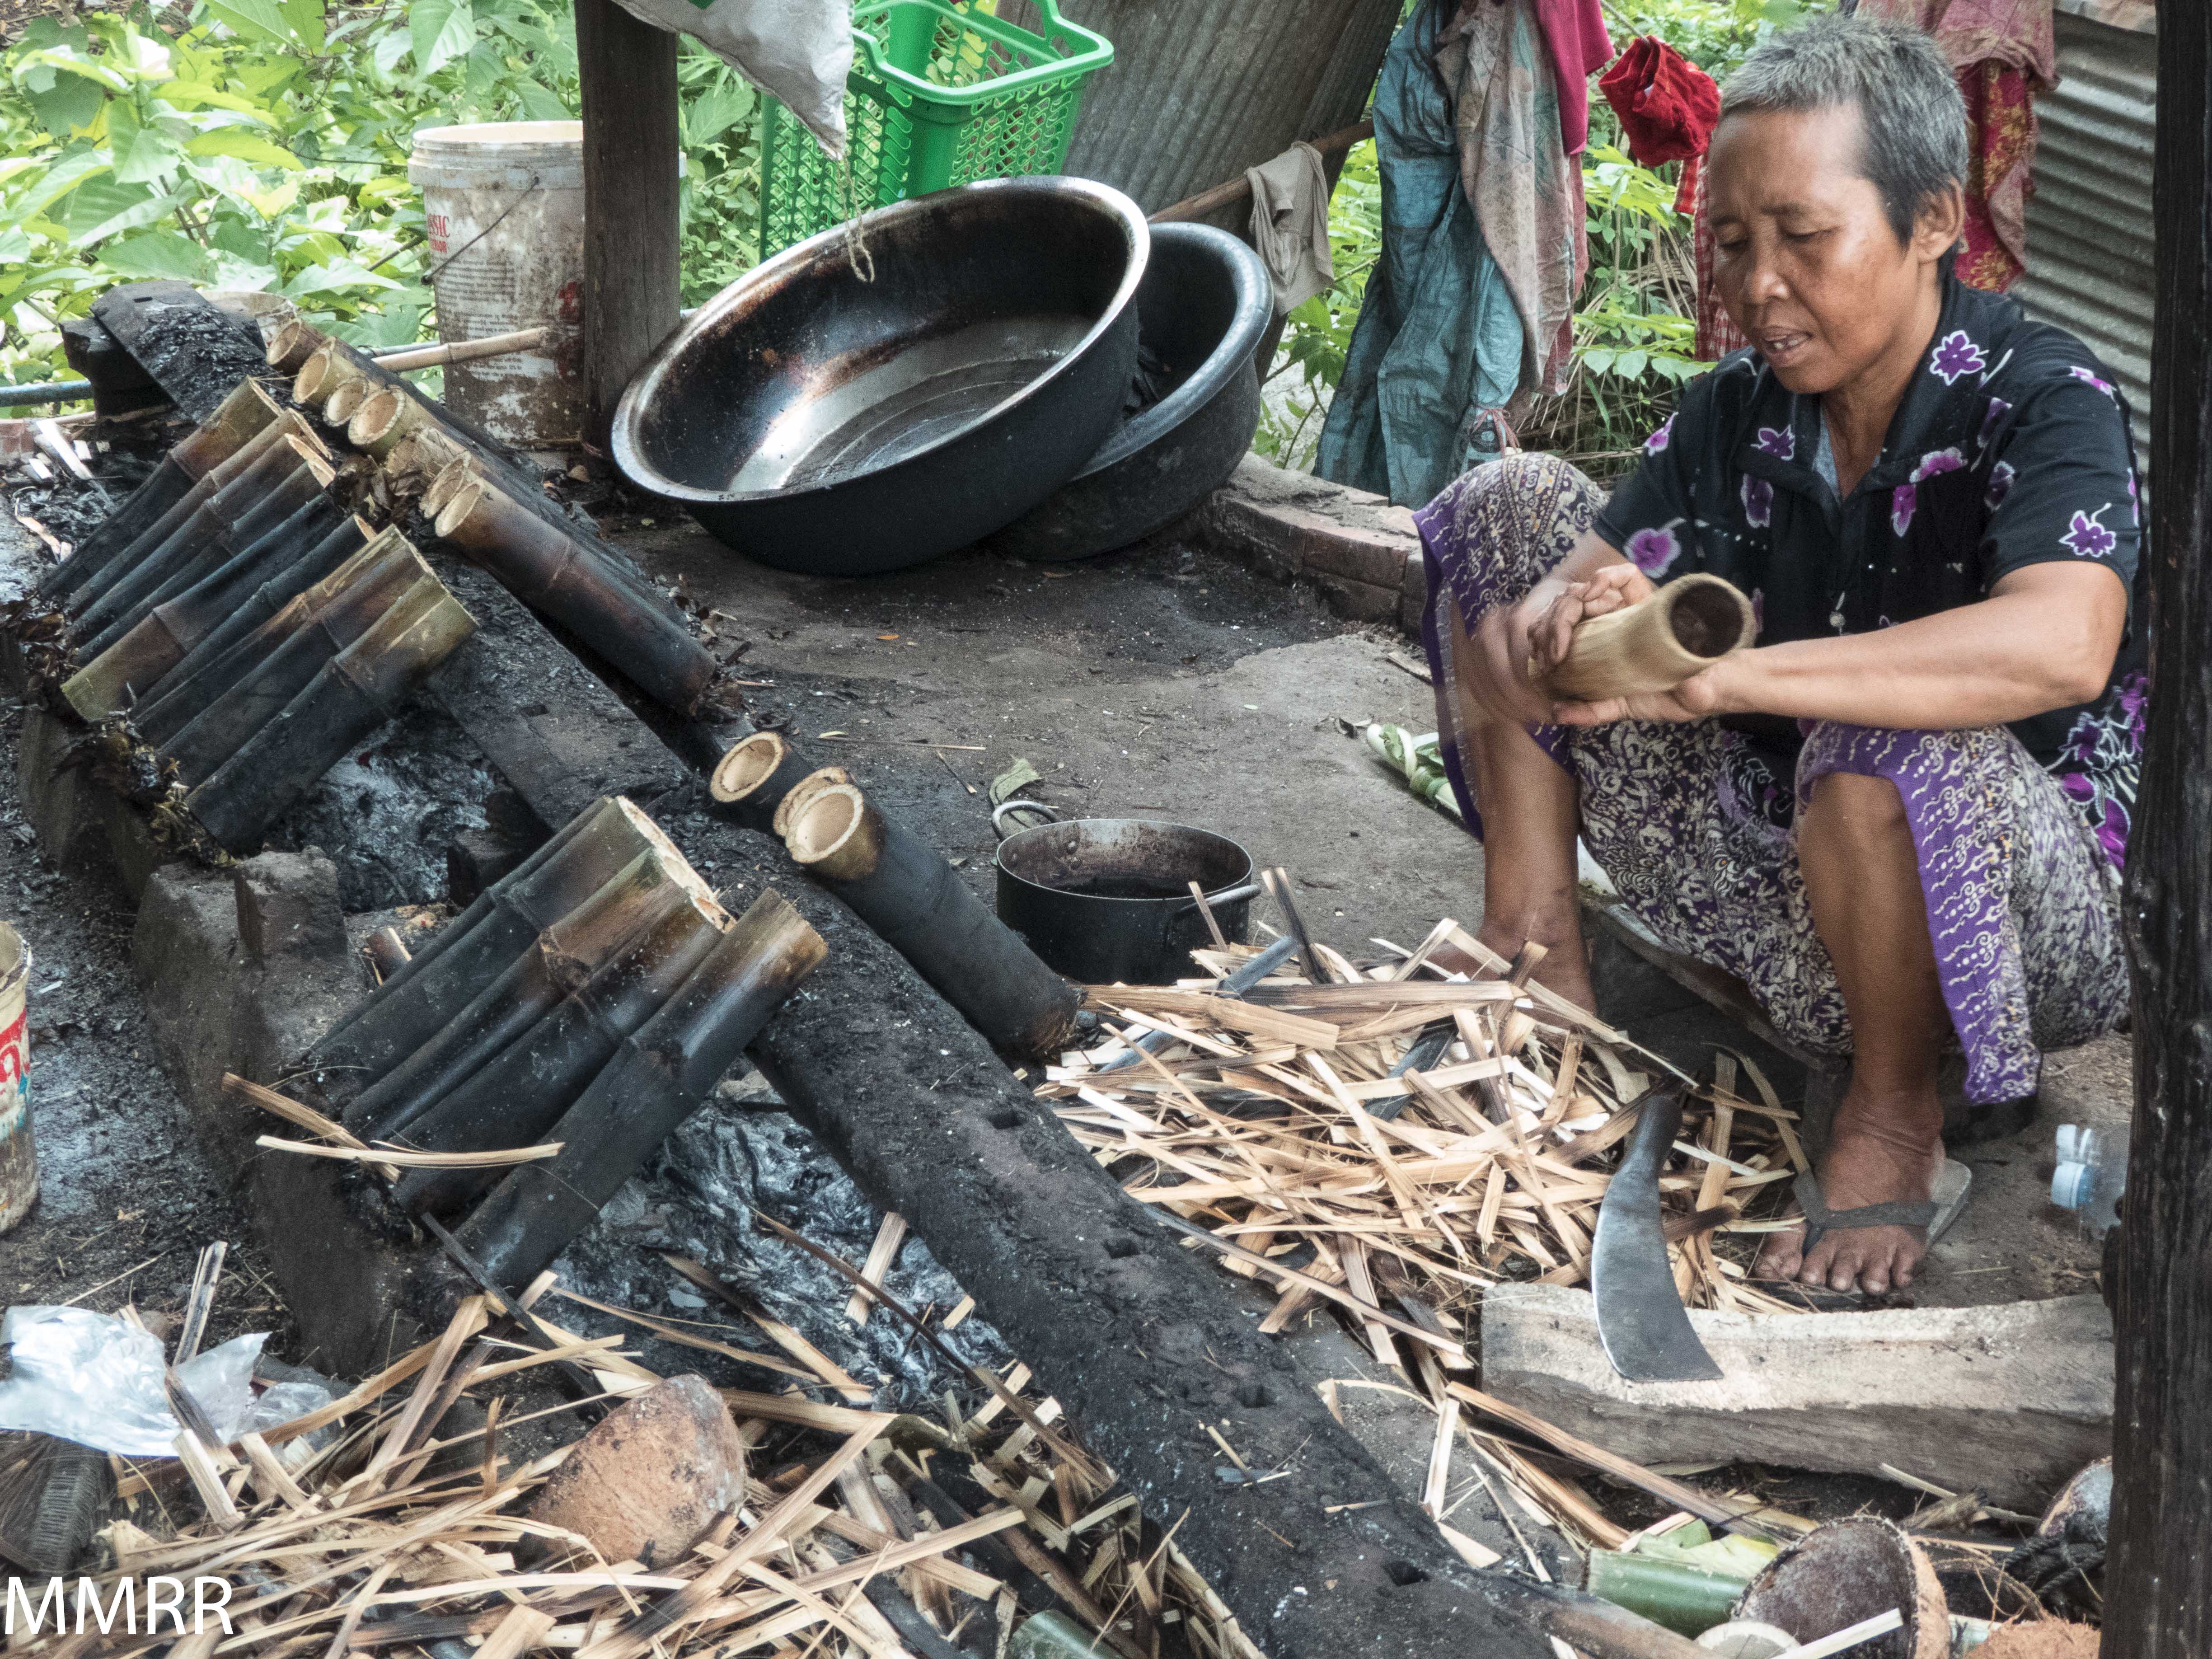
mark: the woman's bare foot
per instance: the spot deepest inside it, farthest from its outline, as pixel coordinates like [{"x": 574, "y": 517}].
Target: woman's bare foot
[{"x": 1885, "y": 1150}]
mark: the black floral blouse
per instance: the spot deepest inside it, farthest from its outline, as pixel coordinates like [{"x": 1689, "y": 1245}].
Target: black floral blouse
[{"x": 2012, "y": 447}]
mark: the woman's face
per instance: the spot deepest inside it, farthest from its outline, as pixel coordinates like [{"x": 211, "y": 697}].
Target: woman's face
[{"x": 1804, "y": 257}]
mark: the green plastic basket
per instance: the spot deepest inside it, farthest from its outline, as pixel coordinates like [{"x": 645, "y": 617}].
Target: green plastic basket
[{"x": 942, "y": 92}]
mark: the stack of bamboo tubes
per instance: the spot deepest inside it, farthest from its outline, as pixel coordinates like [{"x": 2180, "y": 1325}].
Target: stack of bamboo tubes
[
  {"x": 860, "y": 1533},
  {"x": 532, "y": 1058},
  {"x": 1399, "y": 1134}
]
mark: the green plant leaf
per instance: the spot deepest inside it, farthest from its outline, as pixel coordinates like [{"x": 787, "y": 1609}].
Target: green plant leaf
[
  {"x": 304, "y": 19},
  {"x": 69, "y": 104},
  {"x": 245, "y": 146},
  {"x": 441, "y": 30},
  {"x": 66, "y": 174},
  {"x": 1630, "y": 364},
  {"x": 158, "y": 253}
]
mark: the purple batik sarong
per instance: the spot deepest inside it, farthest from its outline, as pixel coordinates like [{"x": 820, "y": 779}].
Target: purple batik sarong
[{"x": 1692, "y": 826}]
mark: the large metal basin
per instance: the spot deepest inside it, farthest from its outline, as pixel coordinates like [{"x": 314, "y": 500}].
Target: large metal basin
[
  {"x": 821, "y": 423},
  {"x": 1205, "y": 303}
]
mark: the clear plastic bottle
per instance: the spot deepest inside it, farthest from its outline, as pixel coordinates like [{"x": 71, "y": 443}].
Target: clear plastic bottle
[{"x": 2092, "y": 1174}]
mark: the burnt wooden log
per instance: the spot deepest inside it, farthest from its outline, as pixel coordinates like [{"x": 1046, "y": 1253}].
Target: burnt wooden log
[
  {"x": 558, "y": 574},
  {"x": 517, "y": 1095},
  {"x": 2158, "y": 1576},
  {"x": 1136, "y": 1337},
  {"x": 352, "y": 695},
  {"x": 245, "y": 412},
  {"x": 917, "y": 903},
  {"x": 593, "y": 846},
  {"x": 658, "y": 1077},
  {"x": 560, "y": 960},
  {"x": 350, "y": 614},
  {"x": 272, "y": 613},
  {"x": 195, "y": 351},
  {"x": 163, "y": 639}
]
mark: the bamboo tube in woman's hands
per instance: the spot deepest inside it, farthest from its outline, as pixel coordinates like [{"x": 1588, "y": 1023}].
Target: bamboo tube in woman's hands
[{"x": 1682, "y": 630}]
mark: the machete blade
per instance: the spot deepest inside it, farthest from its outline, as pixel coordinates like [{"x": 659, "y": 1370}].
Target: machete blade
[{"x": 1640, "y": 1318}]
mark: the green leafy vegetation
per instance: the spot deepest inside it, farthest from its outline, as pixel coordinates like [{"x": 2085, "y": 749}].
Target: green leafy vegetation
[{"x": 1635, "y": 331}]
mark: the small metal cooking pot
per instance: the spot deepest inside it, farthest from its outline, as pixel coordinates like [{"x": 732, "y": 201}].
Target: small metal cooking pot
[{"x": 1105, "y": 900}]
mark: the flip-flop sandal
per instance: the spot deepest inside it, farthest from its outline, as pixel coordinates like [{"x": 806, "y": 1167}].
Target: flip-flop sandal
[{"x": 1935, "y": 1214}]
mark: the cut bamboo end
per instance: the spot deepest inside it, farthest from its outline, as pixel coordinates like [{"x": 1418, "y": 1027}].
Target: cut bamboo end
[
  {"x": 314, "y": 380},
  {"x": 385, "y": 416},
  {"x": 827, "y": 778},
  {"x": 836, "y": 833},
  {"x": 460, "y": 508},
  {"x": 293, "y": 345},
  {"x": 245, "y": 412},
  {"x": 749, "y": 763},
  {"x": 1682, "y": 630},
  {"x": 451, "y": 479},
  {"x": 673, "y": 863},
  {"x": 339, "y": 408}
]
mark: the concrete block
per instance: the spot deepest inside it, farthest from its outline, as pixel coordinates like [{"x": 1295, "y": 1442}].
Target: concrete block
[
  {"x": 1291, "y": 525},
  {"x": 645, "y": 1483},
  {"x": 2008, "y": 1401},
  {"x": 287, "y": 905}
]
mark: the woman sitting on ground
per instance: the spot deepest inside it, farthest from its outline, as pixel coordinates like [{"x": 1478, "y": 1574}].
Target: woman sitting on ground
[{"x": 1900, "y": 818}]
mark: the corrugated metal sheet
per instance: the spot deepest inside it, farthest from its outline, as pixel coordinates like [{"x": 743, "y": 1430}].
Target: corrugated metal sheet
[{"x": 2089, "y": 263}]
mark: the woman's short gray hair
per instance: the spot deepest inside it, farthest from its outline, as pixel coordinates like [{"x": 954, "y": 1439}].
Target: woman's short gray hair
[{"x": 1912, "y": 120}]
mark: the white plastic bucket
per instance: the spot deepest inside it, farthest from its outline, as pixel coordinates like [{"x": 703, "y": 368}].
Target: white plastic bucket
[
  {"x": 504, "y": 203},
  {"x": 19, "y": 1157}
]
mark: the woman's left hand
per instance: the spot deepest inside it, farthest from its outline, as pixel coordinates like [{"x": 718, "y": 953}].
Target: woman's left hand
[{"x": 1699, "y": 697}]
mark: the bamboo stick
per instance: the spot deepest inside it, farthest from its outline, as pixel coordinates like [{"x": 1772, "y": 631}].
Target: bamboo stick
[
  {"x": 234, "y": 645},
  {"x": 657, "y": 1078},
  {"x": 385, "y": 416},
  {"x": 521, "y": 1092},
  {"x": 465, "y": 351},
  {"x": 562, "y": 958},
  {"x": 1682, "y": 630},
  {"x": 473, "y": 950},
  {"x": 172, "y": 627},
  {"x": 293, "y": 345},
  {"x": 915, "y": 901},
  {"x": 571, "y": 582},
  {"x": 349, "y": 699},
  {"x": 352, "y": 612}
]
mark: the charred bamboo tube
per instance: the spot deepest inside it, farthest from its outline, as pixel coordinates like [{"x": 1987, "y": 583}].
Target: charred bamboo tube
[
  {"x": 656, "y": 1079},
  {"x": 753, "y": 778},
  {"x": 338, "y": 408},
  {"x": 352, "y": 614},
  {"x": 229, "y": 501},
  {"x": 214, "y": 440},
  {"x": 474, "y": 948},
  {"x": 385, "y": 417},
  {"x": 917, "y": 905},
  {"x": 573, "y": 584},
  {"x": 352, "y": 696},
  {"x": 128, "y": 557},
  {"x": 449, "y": 483},
  {"x": 525, "y": 1089},
  {"x": 797, "y": 795},
  {"x": 424, "y": 452},
  {"x": 294, "y": 345},
  {"x": 172, "y": 626},
  {"x": 386, "y": 952},
  {"x": 300, "y": 489},
  {"x": 1682, "y": 630},
  {"x": 271, "y": 614},
  {"x": 562, "y": 958}
]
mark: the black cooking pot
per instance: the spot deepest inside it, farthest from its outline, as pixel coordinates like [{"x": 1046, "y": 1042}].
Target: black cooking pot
[
  {"x": 1205, "y": 303},
  {"x": 1107, "y": 900},
  {"x": 825, "y": 424}
]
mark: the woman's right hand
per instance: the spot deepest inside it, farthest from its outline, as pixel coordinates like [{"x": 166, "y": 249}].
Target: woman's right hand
[{"x": 1499, "y": 674}]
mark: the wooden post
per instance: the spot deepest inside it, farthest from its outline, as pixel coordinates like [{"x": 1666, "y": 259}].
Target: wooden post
[
  {"x": 631, "y": 200},
  {"x": 2158, "y": 1596}
]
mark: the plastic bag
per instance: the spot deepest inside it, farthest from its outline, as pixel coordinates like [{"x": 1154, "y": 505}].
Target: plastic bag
[
  {"x": 96, "y": 1379},
  {"x": 797, "y": 51}
]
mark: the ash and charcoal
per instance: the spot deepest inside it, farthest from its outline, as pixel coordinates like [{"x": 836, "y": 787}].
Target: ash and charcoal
[
  {"x": 697, "y": 1198},
  {"x": 385, "y": 814}
]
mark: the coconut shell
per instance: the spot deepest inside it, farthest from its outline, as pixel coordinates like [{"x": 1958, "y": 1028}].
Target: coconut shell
[
  {"x": 1849, "y": 1571},
  {"x": 2046, "y": 1638}
]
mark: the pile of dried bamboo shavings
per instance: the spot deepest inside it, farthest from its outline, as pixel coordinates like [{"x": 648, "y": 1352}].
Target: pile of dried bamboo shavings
[
  {"x": 1404, "y": 1136},
  {"x": 369, "y": 1548}
]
